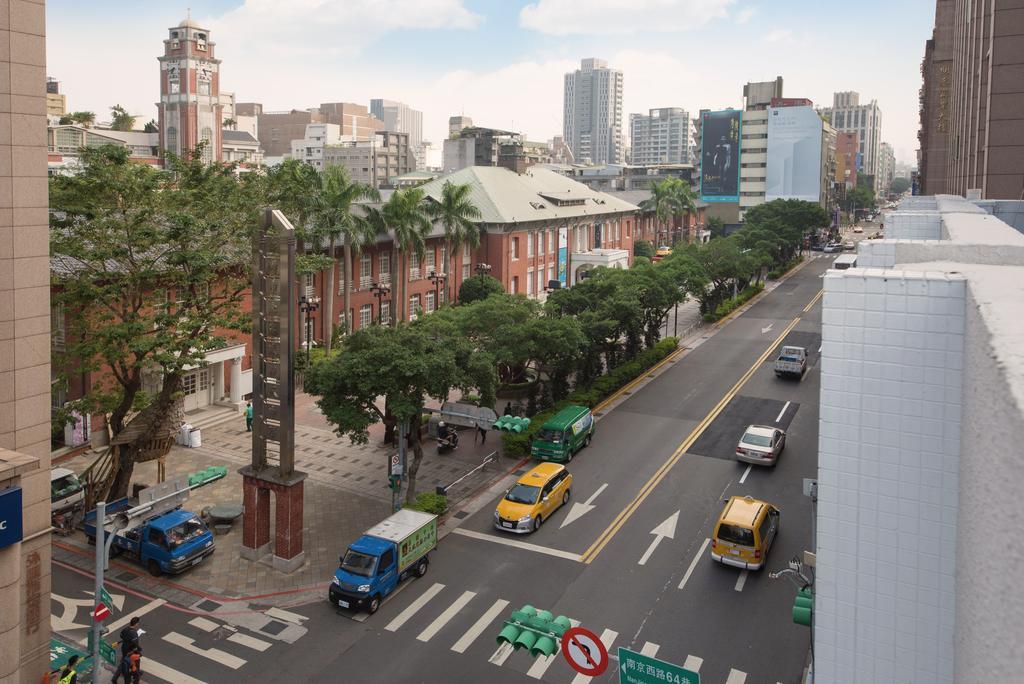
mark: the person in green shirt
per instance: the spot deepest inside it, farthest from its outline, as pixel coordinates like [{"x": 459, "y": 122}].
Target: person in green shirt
[{"x": 248, "y": 417}]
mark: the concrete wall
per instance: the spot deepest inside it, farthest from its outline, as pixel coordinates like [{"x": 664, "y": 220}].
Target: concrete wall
[
  {"x": 887, "y": 498},
  {"x": 25, "y": 329}
]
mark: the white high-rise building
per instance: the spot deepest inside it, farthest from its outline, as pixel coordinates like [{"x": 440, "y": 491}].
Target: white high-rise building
[
  {"x": 660, "y": 137},
  {"x": 399, "y": 117},
  {"x": 848, "y": 114},
  {"x": 757, "y": 97},
  {"x": 592, "y": 113}
]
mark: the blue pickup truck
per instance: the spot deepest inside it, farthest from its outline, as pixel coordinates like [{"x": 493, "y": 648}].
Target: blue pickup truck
[
  {"x": 170, "y": 542},
  {"x": 387, "y": 553}
]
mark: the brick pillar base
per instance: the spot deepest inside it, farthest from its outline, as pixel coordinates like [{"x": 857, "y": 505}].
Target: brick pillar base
[
  {"x": 288, "y": 553},
  {"x": 256, "y": 518}
]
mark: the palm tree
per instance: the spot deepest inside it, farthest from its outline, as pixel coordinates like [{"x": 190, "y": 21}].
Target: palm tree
[
  {"x": 663, "y": 202},
  {"x": 408, "y": 215},
  {"x": 685, "y": 199},
  {"x": 229, "y": 124},
  {"x": 457, "y": 213},
  {"x": 121, "y": 120},
  {"x": 335, "y": 221}
]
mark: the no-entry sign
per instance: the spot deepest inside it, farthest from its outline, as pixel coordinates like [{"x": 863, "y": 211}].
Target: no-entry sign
[
  {"x": 584, "y": 651},
  {"x": 101, "y": 613}
]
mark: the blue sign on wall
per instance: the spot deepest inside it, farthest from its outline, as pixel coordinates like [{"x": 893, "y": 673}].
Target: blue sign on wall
[
  {"x": 10, "y": 516},
  {"x": 563, "y": 255}
]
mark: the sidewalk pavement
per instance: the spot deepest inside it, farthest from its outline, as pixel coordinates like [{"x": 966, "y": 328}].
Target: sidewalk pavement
[{"x": 346, "y": 493}]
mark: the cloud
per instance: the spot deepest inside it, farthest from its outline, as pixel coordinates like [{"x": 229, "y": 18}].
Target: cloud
[
  {"x": 745, "y": 15},
  {"x": 778, "y": 36},
  {"x": 611, "y": 17}
]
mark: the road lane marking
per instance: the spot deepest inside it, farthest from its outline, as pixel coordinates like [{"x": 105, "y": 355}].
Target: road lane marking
[
  {"x": 782, "y": 412},
  {"x": 413, "y": 607},
  {"x": 602, "y": 540},
  {"x": 816, "y": 298},
  {"x": 501, "y": 655},
  {"x": 479, "y": 626},
  {"x": 650, "y": 650},
  {"x": 745, "y": 473},
  {"x": 741, "y": 580},
  {"x": 285, "y": 615},
  {"x": 693, "y": 663},
  {"x": 607, "y": 638},
  {"x": 579, "y": 509},
  {"x": 443, "y": 619},
  {"x": 250, "y": 642},
  {"x": 557, "y": 553},
  {"x": 665, "y": 529},
  {"x": 693, "y": 563},
  {"x": 541, "y": 665},
  {"x": 767, "y": 329},
  {"x": 127, "y": 617},
  {"x": 736, "y": 677},
  {"x": 214, "y": 654},
  {"x": 203, "y": 624},
  {"x": 168, "y": 674}
]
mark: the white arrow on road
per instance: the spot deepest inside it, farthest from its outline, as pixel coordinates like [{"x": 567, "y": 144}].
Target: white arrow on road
[
  {"x": 118, "y": 600},
  {"x": 579, "y": 509},
  {"x": 767, "y": 329},
  {"x": 665, "y": 529},
  {"x": 66, "y": 620}
]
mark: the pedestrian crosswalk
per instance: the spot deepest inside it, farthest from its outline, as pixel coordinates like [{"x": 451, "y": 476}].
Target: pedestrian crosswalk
[{"x": 440, "y": 613}]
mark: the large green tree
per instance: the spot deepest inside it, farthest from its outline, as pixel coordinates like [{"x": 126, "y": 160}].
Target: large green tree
[
  {"x": 405, "y": 366},
  {"x": 86, "y": 119},
  {"x": 458, "y": 215},
  {"x": 150, "y": 267},
  {"x": 899, "y": 185},
  {"x": 408, "y": 216},
  {"x": 478, "y": 287},
  {"x": 120, "y": 119}
]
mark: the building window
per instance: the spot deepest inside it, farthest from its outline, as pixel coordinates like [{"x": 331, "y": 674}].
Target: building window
[
  {"x": 466, "y": 253},
  {"x": 414, "y": 266},
  {"x": 365, "y": 316},
  {"x": 515, "y": 285},
  {"x": 529, "y": 281},
  {"x": 172, "y": 140},
  {"x": 551, "y": 273},
  {"x": 431, "y": 265},
  {"x": 173, "y": 87},
  {"x": 444, "y": 259},
  {"x": 414, "y": 307},
  {"x": 465, "y": 271},
  {"x": 365, "y": 272},
  {"x": 515, "y": 248},
  {"x": 431, "y": 301},
  {"x": 204, "y": 87},
  {"x": 58, "y": 331},
  {"x": 385, "y": 312},
  {"x": 530, "y": 237},
  {"x": 540, "y": 280},
  {"x": 551, "y": 241},
  {"x": 384, "y": 267}
]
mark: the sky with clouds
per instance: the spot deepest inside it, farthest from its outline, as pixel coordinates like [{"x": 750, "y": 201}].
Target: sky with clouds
[{"x": 502, "y": 61}]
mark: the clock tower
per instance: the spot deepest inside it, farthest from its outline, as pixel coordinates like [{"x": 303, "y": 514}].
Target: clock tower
[{"x": 190, "y": 109}]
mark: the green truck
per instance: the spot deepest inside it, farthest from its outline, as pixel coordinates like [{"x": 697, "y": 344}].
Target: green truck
[
  {"x": 387, "y": 553},
  {"x": 563, "y": 435}
]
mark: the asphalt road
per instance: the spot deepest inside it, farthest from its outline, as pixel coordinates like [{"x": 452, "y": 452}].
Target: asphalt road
[{"x": 660, "y": 460}]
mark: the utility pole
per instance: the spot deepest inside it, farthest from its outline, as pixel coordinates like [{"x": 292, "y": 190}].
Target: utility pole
[
  {"x": 396, "y": 491},
  {"x": 97, "y": 626}
]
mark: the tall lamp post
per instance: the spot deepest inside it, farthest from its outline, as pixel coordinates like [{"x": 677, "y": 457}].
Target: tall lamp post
[
  {"x": 439, "y": 279},
  {"x": 307, "y": 305},
  {"x": 483, "y": 269},
  {"x": 380, "y": 291}
]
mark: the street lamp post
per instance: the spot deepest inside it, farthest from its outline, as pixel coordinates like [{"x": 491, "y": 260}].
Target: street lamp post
[
  {"x": 439, "y": 279},
  {"x": 307, "y": 305},
  {"x": 483, "y": 269},
  {"x": 380, "y": 291}
]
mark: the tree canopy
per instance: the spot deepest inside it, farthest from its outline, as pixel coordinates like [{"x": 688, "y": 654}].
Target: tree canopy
[{"x": 479, "y": 287}]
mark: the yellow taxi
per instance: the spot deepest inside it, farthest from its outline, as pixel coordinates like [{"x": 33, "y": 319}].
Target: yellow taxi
[
  {"x": 745, "y": 532},
  {"x": 663, "y": 251},
  {"x": 533, "y": 499}
]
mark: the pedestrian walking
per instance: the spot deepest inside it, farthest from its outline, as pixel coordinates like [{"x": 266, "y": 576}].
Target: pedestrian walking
[
  {"x": 129, "y": 643},
  {"x": 248, "y": 416},
  {"x": 135, "y": 665},
  {"x": 483, "y": 434},
  {"x": 69, "y": 675}
]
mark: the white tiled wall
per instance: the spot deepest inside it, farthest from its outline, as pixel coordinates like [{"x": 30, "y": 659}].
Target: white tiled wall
[
  {"x": 914, "y": 225},
  {"x": 889, "y": 442}
]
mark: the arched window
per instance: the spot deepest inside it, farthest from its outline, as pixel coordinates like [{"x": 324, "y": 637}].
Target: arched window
[
  {"x": 207, "y": 137},
  {"x": 172, "y": 140}
]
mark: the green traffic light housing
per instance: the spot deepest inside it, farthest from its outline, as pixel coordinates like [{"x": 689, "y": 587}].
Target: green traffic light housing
[
  {"x": 537, "y": 631},
  {"x": 206, "y": 476},
  {"x": 803, "y": 607}
]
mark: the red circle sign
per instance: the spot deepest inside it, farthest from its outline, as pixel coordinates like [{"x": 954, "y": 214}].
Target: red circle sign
[{"x": 584, "y": 651}]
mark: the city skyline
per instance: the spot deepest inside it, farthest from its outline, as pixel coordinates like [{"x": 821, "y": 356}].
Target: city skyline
[{"x": 416, "y": 53}]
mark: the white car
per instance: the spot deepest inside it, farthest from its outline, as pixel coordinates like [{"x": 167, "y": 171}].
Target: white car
[
  {"x": 761, "y": 445},
  {"x": 858, "y": 229},
  {"x": 66, "y": 491}
]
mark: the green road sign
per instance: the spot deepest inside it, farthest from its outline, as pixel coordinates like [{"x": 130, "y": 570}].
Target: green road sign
[
  {"x": 107, "y": 652},
  {"x": 640, "y": 669},
  {"x": 105, "y": 598},
  {"x": 61, "y": 652}
]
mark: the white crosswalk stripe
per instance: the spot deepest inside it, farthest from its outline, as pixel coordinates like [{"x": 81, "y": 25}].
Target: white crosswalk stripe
[
  {"x": 414, "y": 607},
  {"x": 443, "y": 619},
  {"x": 203, "y": 624},
  {"x": 649, "y": 649},
  {"x": 736, "y": 677},
  {"x": 250, "y": 642},
  {"x": 607, "y": 638},
  {"x": 693, "y": 663},
  {"x": 479, "y": 626},
  {"x": 214, "y": 654}
]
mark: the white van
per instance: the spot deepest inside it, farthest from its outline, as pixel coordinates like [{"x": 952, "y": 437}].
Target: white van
[
  {"x": 66, "y": 492},
  {"x": 845, "y": 261}
]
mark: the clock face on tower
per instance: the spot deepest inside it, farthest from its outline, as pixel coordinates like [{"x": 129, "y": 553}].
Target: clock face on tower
[{"x": 172, "y": 69}]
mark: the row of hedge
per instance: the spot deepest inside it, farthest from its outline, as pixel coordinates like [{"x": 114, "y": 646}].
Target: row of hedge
[
  {"x": 777, "y": 273},
  {"x": 733, "y": 303},
  {"x": 600, "y": 389}
]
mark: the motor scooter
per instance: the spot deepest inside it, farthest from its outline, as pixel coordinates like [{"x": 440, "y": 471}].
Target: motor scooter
[{"x": 448, "y": 442}]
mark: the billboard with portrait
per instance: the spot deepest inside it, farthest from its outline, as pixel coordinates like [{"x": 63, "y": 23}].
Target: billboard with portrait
[
  {"x": 794, "y": 154},
  {"x": 720, "y": 156}
]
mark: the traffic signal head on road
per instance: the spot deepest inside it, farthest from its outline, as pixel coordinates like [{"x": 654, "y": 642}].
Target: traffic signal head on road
[
  {"x": 803, "y": 607},
  {"x": 538, "y": 631}
]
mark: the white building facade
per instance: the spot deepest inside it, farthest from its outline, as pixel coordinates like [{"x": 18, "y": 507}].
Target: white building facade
[
  {"x": 660, "y": 137},
  {"x": 848, "y": 114},
  {"x": 592, "y": 113}
]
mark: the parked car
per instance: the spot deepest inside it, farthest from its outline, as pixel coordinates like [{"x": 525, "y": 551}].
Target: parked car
[
  {"x": 832, "y": 247},
  {"x": 849, "y": 245},
  {"x": 565, "y": 433},
  {"x": 791, "y": 361},
  {"x": 858, "y": 229},
  {"x": 533, "y": 499},
  {"x": 761, "y": 445}
]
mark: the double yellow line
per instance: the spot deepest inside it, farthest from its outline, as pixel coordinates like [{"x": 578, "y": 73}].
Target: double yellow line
[{"x": 590, "y": 554}]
